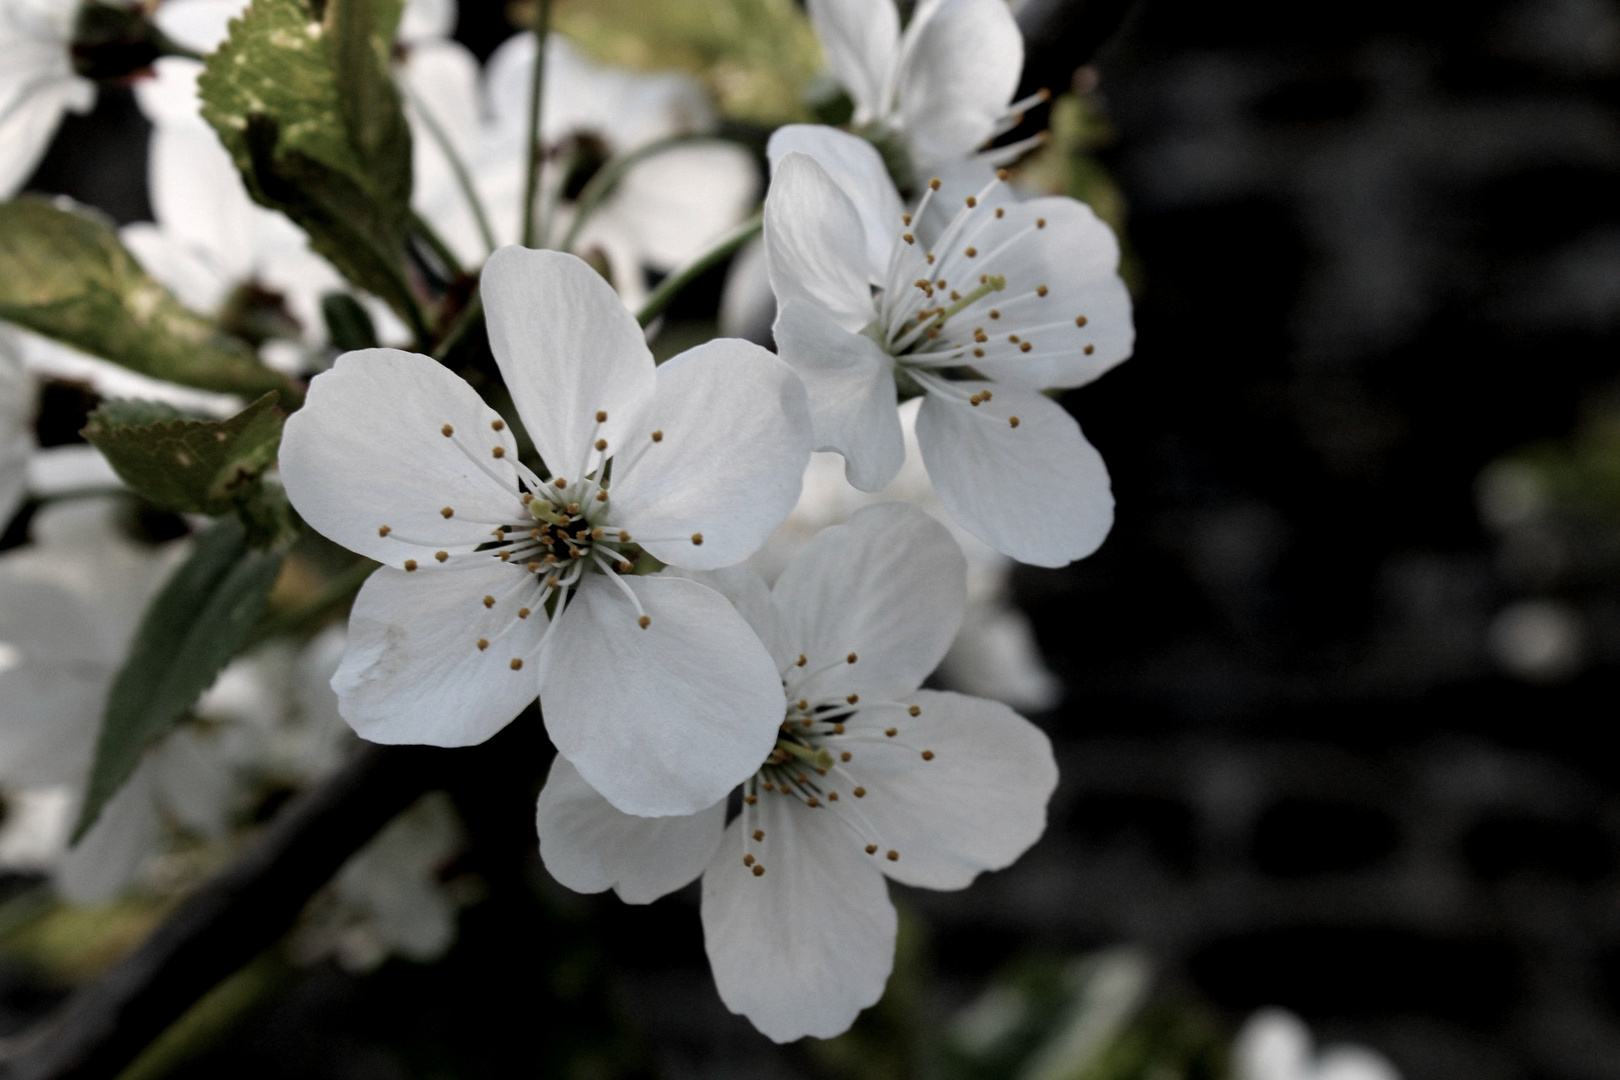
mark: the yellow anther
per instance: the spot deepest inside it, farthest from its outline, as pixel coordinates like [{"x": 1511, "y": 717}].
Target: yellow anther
[
  {"x": 871, "y": 849},
  {"x": 1012, "y": 421},
  {"x": 1041, "y": 290},
  {"x": 894, "y": 856},
  {"x": 534, "y": 567},
  {"x": 516, "y": 664},
  {"x": 832, "y": 796},
  {"x": 979, "y": 335},
  {"x": 644, "y": 622},
  {"x": 995, "y": 313},
  {"x": 853, "y": 698},
  {"x": 447, "y": 431},
  {"x": 759, "y": 869},
  {"x": 933, "y": 185},
  {"x": 483, "y": 643},
  {"x": 441, "y": 555},
  {"x": 1025, "y": 347},
  {"x": 601, "y": 416},
  {"x": 523, "y": 613},
  {"x": 1013, "y": 338},
  {"x": 891, "y": 732},
  {"x": 845, "y": 756},
  {"x": 930, "y": 258},
  {"x": 498, "y": 425},
  {"x": 812, "y": 802},
  {"x": 559, "y": 482},
  {"x": 972, "y": 202},
  {"x": 860, "y": 793},
  {"x": 908, "y": 238},
  {"x": 1089, "y": 349},
  {"x": 1002, "y": 174},
  {"x": 624, "y": 567},
  {"x": 928, "y": 755},
  {"x": 802, "y": 704},
  {"x": 838, "y": 729},
  {"x": 601, "y": 496},
  {"x": 1040, "y": 223},
  {"x": 597, "y": 534},
  {"x": 748, "y": 860},
  {"x": 489, "y": 601},
  {"x": 905, "y": 219},
  {"x": 750, "y": 799},
  {"x": 1001, "y": 212},
  {"x": 601, "y": 444},
  {"x": 658, "y": 436},
  {"x": 803, "y": 660},
  {"x": 499, "y": 451},
  {"x": 573, "y": 508},
  {"x": 978, "y": 353},
  {"x": 759, "y": 834},
  {"x": 624, "y": 537},
  {"x": 987, "y": 396},
  {"x": 1080, "y": 320},
  {"x": 851, "y": 658},
  {"x": 385, "y": 530},
  {"x": 410, "y": 564},
  {"x": 447, "y": 513},
  {"x": 697, "y": 539},
  {"x": 971, "y": 252}
]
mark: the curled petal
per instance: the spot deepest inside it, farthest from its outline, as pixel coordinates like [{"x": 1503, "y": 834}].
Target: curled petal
[
  {"x": 860, "y": 38},
  {"x": 815, "y": 244},
  {"x": 855, "y": 166},
  {"x": 959, "y": 67}
]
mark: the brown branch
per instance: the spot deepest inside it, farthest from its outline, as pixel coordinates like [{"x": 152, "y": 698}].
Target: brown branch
[{"x": 227, "y": 921}]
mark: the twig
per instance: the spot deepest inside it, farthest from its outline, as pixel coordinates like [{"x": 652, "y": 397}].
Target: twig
[
  {"x": 537, "y": 89},
  {"x": 679, "y": 279}
]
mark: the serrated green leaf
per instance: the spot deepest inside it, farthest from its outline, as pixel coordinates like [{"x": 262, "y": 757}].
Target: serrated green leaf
[
  {"x": 64, "y": 274},
  {"x": 308, "y": 109},
  {"x": 202, "y": 616},
  {"x": 189, "y": 466}
]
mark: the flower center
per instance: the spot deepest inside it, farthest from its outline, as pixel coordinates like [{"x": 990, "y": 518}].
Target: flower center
[{"x": 815, "y": 758}]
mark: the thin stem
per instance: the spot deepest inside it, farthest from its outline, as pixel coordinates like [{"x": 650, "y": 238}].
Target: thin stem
[
  {"x": 470, "y": 317},
  {"x": 459, "y": 168},
  {"x": 436, "y": 242},
  {"x": 723, "y": 249},
  {"x": 607, "y": 178},
  {"x": 531, "y": 184}
]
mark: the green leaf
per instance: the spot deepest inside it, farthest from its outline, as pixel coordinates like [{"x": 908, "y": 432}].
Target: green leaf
[
  {"x": 203, "y": 615},
  {"x": 309, "y": 111},
  {"x": 189, "y": 466},
  {"x": 64, "y": 274}
]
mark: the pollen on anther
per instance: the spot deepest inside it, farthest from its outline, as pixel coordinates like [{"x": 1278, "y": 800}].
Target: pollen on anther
[
  {"x": 994, "y": 313},
  {"x": 483, "y": 643},
  {"x": 601, "y": 496},
  {"x": 410, "y": 564},
  {"x": 928, "y": 755},
  {"x": 601, "y": 444},
  {"x": 523, "y": 613},
  {"x": 1040, "y": 223},
  {"x": 644, "y": 622},
  {"x": 497, "y": 425},
  {"x": 832, "y": 796},
  {"x": 1013, "y": 338},
  {"x": 1025, "y": 347},
  {"x": 759, "y": 834},
  {"x": 447, "y": 431},
  {"x": 978, "y": 353},
  {"x": 933, "y": 185},
  {"x": 1089, "y": 349},
  {"x": 802, "y": 704},
  {"x": 748, "y": 860},
  {"x": 853, "y": 698},
  {"x": 838, "y": 729},
  {"x": 750, "y": 799},
  {"x": 894, "y": 856},
  {"x": 534, "y": 567},
  {"x": 559, "y": 482},
  {"x": 489, "y": 601},
  {"x": 845, "y": 755},
  {"x": 891, "y": 732},
  {"x": 871, "y": 849},
  {"x": 499, "y": 451},
  {"x": 802, "y": 660},
  {"x": 624, "y": 567},
  {"x": 1012, "y": 421},
  {"x": 601, "y": 416},
  {"x": 759, "y": 869},
  {"x": 1001, "y": 212},
  {"x": 447, "y": 513},
  {"x": 384, "y": 530},
  {"x": 769, "y": 786},
  {"x": 851, "y": 658},
  {"x": 859, "y": 793},
  {"x": 915, "y": 710},
  {"x": 516, "y": 664},
  {"x": 624, "y": 537},
  {"x": 1041, "y": 290},
  {"x": 971, "y": 252},
  {"x": 905, "y": 219},
  {"x": 812, "y": 802},
  {"x": 908, "y": 238},
  {"x": 930, "y": 258},
  {"x": 972, "y": 202},
  {"x": 441, "y": 555},
  {"x": 697, "y": 539}
]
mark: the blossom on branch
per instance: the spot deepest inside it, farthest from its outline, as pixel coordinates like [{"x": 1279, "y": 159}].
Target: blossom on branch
[
  {"x": 1005, "y": 300},
  {"x": 38, "y": 84},
  {"x": 499, "y": 583},
  {"x": 869, "y": 778}
]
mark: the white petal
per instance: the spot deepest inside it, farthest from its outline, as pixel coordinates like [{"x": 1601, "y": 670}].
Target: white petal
[
  {"x": 440, "y": 80},
  {"x": 977, "y": 805},
  {"x": 960, "y": 64},
  {"x": 749, "y": 594},
  {"x": 858, "y": 170},
  {"x": 889, "y": 586},
  {"x": 368, "y": 453},
  {"x": 679, "y": 202},
  {"x": 1354, "y": 1063},
  {"x": 730, "y": 463},
  {"x": 805, "y": 946},
  {"x": 413, "y": 671},
  {"x": 107, "y": 859},
  {"x": 198, "y": 24},
  {"x": 861, "y": 39},
  {"x": 74, "y": 468},
  {"x": 26, "y": 126},
  {"x": 747, "y": 304},
  {"x": 427, "y": 19},
  {"x": 850, "y": 383},
  {"x": 1038, "y": 493},
  {"x": 1273, "y": 1044},
  {"x": 590, "y": 847},
  {"x": 567, "y": 349},
  {"x": 665, "y": 719},
  {"x": 195, "y": 281},
  {"x": 54, "y": 674},
  {"x": 18, "y": 400},
  {"x": 195, "y": 780},
  {"x": 815, "y": 244},
  {"x": 1074, "y": 258}
]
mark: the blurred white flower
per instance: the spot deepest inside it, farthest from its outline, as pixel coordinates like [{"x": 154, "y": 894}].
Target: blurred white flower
[
  {"x": 18, "y": 399},
  {"x": 995, "y": 654},
  {"x": 1276, "y": 1045},
  {"x": 1538, "y": 640},
  {"x": 870, "y": 778},
  {"x": 69, "y": 606},
  {"x": 665, "y": 209},
  {"x": 944, "y": 87},
  {"x": 399, "y": 460},
  {"x": 37, "y": 83},
  {"x": 388, "y": 899},
  {"x": 1009, "y": 299}
]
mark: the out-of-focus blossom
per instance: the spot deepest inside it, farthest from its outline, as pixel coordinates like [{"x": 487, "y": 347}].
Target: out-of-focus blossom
[
  {"x": 496, "y": 584},
  {"x": 17, "y": 403},
  {"x": 37, "y": 83},
  {"x": 995, "y": 654},
  {"x": 871, "y": 777},
  {"x": 664, "y": 210},
  {"x": 1276, "y": 1045},
  {"x": 1020, "y": 296}
]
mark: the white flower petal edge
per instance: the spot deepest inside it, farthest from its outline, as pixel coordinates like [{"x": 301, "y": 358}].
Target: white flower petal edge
[
  {"x": 815, "y": 244},
  {"x": 959, "y": 67},
  {"x": 1035, "y": 489},
  {"x": 861, "y": 39},
  {"x": 411, "y": 674},
  {"x": 17, "y": 397},
  {"x": 591, "y": 847},
  {"x": 858, "y": 171},
  {"x": 803, "y": 948},
  {"x": 37, "y": 83},
  {"x": 665, "y": 718}
]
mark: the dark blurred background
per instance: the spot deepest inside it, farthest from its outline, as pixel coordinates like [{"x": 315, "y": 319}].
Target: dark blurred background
[{"x": 1339, "y": 686}]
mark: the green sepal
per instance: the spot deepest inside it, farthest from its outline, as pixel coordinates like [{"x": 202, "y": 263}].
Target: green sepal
[
  {"x": 202, "y": 616},
  {"x": 64, "y": 274},
  {"x": 307, "y": 107},
  {"x": 185, "y": 465}
]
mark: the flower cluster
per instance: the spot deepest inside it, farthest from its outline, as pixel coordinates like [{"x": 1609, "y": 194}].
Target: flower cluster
[{"x": 561, "y": 518}]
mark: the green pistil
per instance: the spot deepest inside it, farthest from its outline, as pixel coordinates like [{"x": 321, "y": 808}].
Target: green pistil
[{"x": 816, "y": 756}]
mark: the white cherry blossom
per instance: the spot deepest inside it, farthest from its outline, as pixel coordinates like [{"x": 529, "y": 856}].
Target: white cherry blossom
[
  {"x": 37, "y": 83},
  {"x": 1009, "y": 298},
  {"x": 943, "y": 88},
  {"x": 870, "y": 778},
  {"x": 1274, "y": 1044},
  {"x": 665, "y": 210},
  {"x": 499, "y": 584}
]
